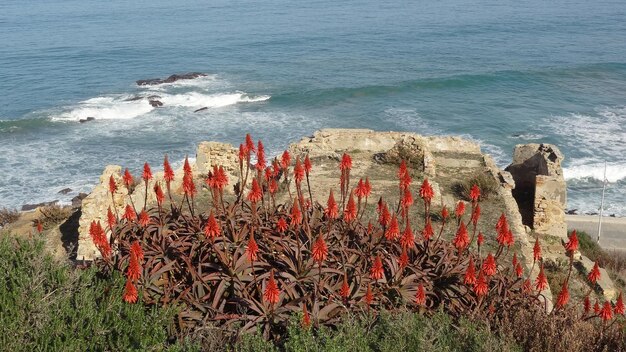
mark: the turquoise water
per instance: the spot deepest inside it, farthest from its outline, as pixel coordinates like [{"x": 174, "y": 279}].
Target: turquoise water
[{"x": 499, "y": 72}]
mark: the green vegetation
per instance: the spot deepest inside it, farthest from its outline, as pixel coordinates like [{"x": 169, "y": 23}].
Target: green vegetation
[{"x": 613, "y": 261}]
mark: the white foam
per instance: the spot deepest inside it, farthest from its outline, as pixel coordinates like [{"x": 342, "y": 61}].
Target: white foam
[
  {"x": 106, "y": 108},
  {"x": 614, "y": 171},
  {"x": 200, "y": 100},
  {"x": 200, "y": 82}
]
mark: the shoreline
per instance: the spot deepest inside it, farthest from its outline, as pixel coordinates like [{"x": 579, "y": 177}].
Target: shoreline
[{"x": 613, "y": 235}]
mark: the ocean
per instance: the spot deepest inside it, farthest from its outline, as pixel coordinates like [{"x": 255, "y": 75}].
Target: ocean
[{"x": 497, "y": 72}]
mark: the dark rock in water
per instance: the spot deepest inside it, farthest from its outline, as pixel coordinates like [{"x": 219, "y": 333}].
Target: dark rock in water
[
  {"x": 591, "y": 213},
  {"x": 134, "y": 98},
  {"x": 572, "y": 212},
  {"x": 201, "y": 109},
  {"x": 27, "y": 207},
  {"x": 154, "y": 97},
  {"x": 90, "y": 118},
  {"x": 156, "y": 103},
  {"x": 613, "y": 216},
  {"x": 65, "y": 191},
  {"x": 78, "y": 200},
  {"x": 170, "y": 79}
]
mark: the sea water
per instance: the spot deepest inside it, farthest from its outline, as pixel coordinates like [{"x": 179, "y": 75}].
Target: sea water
[{"x": 497, "y": 72}]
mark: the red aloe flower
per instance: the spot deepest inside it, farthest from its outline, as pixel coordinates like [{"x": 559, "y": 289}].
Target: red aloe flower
[
  {"x": 273, "y": 187},
  {"x": 252, "y": 249},
  {"x": 475, "y": 214},
  {"x": 260, "y": 156},
  {"x": 360, "y": 190},
  {"x": 275, "y": 168},
  {"x": 420, "y": 295},
  {"x": 249, "y": 143},
  {"x": 426, "y": 191},
  {"x": 514, "y": 261},
  {"x": 489, "y": 265},
  {"x": 444, "y": 213},
  {"x": 112, "y": 185},
  {"x": 281, "y": 225},
  {"x": 403, "y": 261},
  {"x": 407, "y": 199},
  {"x": 470, "y": 273},
  {"x": 99, "y": 238},
  {"x": 256, "y": 193},
  {"x": 111, "y": 220},
  {"x": 130, "y": 292},
  {"x": 298, "y": 172},
  {"x": 133, "y": 271},
  {"x": 332, "y": 209},
  {"x": 572, "y": 244},
  {"x": 519, "y": 271},
  {"x": 306, "y": 318},
  {"x": 480, "y": 239},
  {"x": 221, "y": 178},
  {"x": 474, "y": 193},
  {"x": 541, "y": 282},
  {"x": 144, "y": 219},
  {"x": 168, "y": 172},
  {"x": 596, "y": 307},
  {"x": 345, "y": 288},
  {"x": 160, "y": 197},
  {"x": 536, "y": 250},
  {"x": 408, "y": 239},
  {"x": 402, "y": 170},
  {"x": 186, "y": 166},
  {"x": 384, "y": 217},
  {"x": 189, "y": 187},
  {"x": 243, "y": 154},
  {"x": 394, "y": 230},
  {"x": 369, "y": 296},
  {"x": 428, "y": 231},
  {"x": 594, "y": 274},
  {"x": 509, "y": 239},
  {"x": 460, "y": 209},
  {"x": 563, "y": 298},
  {"x": 480, "y": 287},
  {"x": 271, "y": 293},
  {"x": 368, "y": 187},
  {"x": 502, "y": 223},
  {"x": 296, "y": 214},
  {"x": 147, "y": 173},
  {"x": 349, "y": 213},
  {"x": 606, "y": 313},
  {"x": 619, "y": 305},
  {"x": 346, "y": 162},
  {"x": 320, "y": 249},
  {"x": 285, "y": 160},
  {"x": 526, "y": 286},
  {"x": 377, "y": 271},
  {"x": 128, "y": 178},
  {"x": 129, "y": 214},
  {"x": 405, "y": 181},
  {"x": 307, "y": 165},
  {"x": 212, "y": 228},
  {"x": 136, "y": 249},
  {"x": 587, "y": 304},
  {"x": 462, "y": 240},
  {"x": 39, "y": 227}
]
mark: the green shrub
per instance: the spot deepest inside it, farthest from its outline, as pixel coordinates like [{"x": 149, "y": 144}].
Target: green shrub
[{"x": 485, "y": 181}]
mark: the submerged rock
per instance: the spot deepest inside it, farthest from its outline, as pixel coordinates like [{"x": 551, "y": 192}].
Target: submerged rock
[
  {"x": 170, "y": 79},
  {"x": 28, "y": 207},
  {"x": 90, "y": 118}
]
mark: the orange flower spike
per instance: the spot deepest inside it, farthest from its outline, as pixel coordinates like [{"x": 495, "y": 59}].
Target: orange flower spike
[
  {"x": 112, "y": 185},
  {"x": 255, "y": 193},
  {"x": 572, "y": 244},
  {"x": 307, "y": 165},
  {"x": 147, "y": 173},
  {"x": 129, "y": 214},
  {"x": 243, "y": 154},
  {"x": 111, "y": 220},
  {"x": 260, "y": 156},
  {"x": 407, "y": 199},
  {"x": 186, "y": 166},
  {"x": 541, "y": 282},
  {"x": 133, "y": 272},
  {"x": 136, "y": 249},
  {"x": 394, "y": 230},
  {"x": 596, "y": 307},
  {"x": 489, "y": 265},
  {"x": 402, "y": 170},
  {"x": 369, "y": 296},
  {"x": 39, "y": 227},
  {"x": 475, "y": 215},
  {"x": 519, "y": 271},
  {"x": 332, "y": 209},
  {"x": 377, "y": 272},
  {"x": 298, "y": 172},
  {"x": 594, "y": 274},
  {"x": 536, "y": 250},
  {"x": 426, "y": 191},
  {"x": 346, "y": 162},
  {"x": 368, "y": 187},
  {"x": 281, "y": 225},
  {"x": 349, "y": 213},
  {"x": 189, "y": 187},
  {"x": 514, "y": 261},
  {"x": 296, "y": 214},
  {"x": 128, "y": 178},
  {"x": 420, "y": 295},
  {"x": 460, "y": 209},
  {"x": 461, "y": 241},
  {"x": 606, "y": 313},
  {"x": 144, "y": 219},
  {"x": 160, "y": 196},
  {"x": 212, "y": 228},
  {"x": 249, "y": 144},
  {"x": 130, "y": 292},
  {"x": 403, "y": 261},
  {"x": 320, "y": 249},
  {"x": 344, "y": 292},
  {"x": 168, "y": 172},
  {"x": 285, "y": 160},
  {"x": 271, "y": 293},
  {"x": 563, "y": 296},
  {"x": 474, "y": 193},
  {"x": 445, "y": 214},
  {"x": 428, "y": 231},
  {"x": 408, "y": 239},
  {"x": 480, "y": 287},
  {"x": 360, "y": 190},
  {"x": 252, "y": 249},
  {"x": 480, "y": 239},
  {"x": 306, "y": 318}
]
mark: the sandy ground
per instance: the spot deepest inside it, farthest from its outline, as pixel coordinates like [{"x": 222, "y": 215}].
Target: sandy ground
[{"x": 613, "y": 234}]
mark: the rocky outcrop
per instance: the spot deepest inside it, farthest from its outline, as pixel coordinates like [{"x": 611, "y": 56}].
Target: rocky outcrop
[
  {"x": 540, "y": 188},
  {"x": 170, "y": 79}
]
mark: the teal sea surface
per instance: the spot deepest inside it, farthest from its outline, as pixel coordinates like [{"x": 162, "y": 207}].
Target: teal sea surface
[{"x": 497, "y": 72}]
